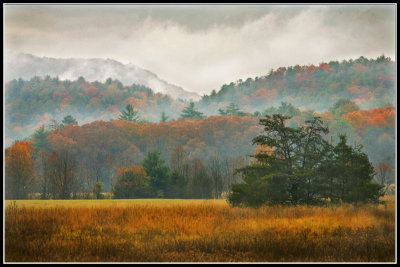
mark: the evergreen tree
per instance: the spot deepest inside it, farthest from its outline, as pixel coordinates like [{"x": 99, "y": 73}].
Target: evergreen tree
[
  {"x": 353, "y": 178},
  {"x": 129, "y": 114},
  {"x": 231, "y": 109},
  {"x": 176, "y": 185},
  {"x": 158, "y": 172},
  {"x": 40, "y": 139},
  {"x": 164, "y": 117},
  {"x": 69, "y": 120},
  {"x": 190, "y": 112},
  {"x": 300, "y": 167},
  {"x": 343, "y": 106},
  {"x": 98, "y": 189},
  {"x": 288, "y": 109}
]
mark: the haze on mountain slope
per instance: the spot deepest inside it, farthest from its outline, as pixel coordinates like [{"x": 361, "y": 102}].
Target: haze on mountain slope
[{"x": 26, "y": 66}]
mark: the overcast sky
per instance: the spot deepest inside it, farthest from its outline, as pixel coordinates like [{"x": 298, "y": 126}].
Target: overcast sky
[{"x": 201, "y": 47}]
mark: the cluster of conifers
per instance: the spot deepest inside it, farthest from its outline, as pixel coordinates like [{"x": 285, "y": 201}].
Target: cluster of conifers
[{"x": 298, "y": 166}]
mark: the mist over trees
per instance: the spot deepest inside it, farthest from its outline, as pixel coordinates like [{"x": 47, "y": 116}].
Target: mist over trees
[
  {"x": 129, "y": 135},
  {"x": 38, "y": 101},
  {"x": 26, "y": 66},
  {"x": 368, "y": 83}
]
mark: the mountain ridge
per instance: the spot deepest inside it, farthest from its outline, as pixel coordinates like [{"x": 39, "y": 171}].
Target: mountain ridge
[{"x": 26, "y": 66}]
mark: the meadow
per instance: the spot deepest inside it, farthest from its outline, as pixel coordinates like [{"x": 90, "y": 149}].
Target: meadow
[{"x": 160, "y": 230}]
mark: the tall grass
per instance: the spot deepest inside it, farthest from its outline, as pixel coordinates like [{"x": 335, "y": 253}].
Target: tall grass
[{"x": 195, "y": 230}]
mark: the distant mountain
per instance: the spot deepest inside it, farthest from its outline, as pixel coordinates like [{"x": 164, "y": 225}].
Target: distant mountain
[{"x": 26, "y": 66}]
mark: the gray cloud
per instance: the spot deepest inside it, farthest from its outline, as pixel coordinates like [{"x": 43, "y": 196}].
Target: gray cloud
[{"x": 202, "y": 47}]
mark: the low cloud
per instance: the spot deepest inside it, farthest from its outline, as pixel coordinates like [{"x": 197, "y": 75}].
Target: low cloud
[{"x": 201, "y": 47}]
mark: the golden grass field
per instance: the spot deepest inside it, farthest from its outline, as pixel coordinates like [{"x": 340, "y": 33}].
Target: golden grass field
[{"x": 159, "y": 230}]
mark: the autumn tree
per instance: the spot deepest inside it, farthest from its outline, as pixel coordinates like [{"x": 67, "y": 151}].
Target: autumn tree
[
  {"x": 384, "y": 173},
  {"x": 179, "y": 160},
  {"x": 62, "y": 165},
  {"x": 180, "y": 167},
  {"x": 176, "y": 186},
  {"x": 61, "y": 170},
  {"x": 43, "y": 148},
  {"x": 132, "y": 182},
  {"x": 200, "y": 183},
  {"x": 217, "y": 174},
  {"x": 19, "y": 170}
]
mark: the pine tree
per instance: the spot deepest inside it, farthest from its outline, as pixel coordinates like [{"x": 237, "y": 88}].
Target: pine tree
[
  {"x": 190, "y": 112},
  {"x": 69, "y": 120},
  {"x": 129, "y": 114},
  {"x": 158, "y": 172},
  {"x": 40, "y": 139},
  {"x": 231, "y": 109},
  {"x": 164, "y": 117}
]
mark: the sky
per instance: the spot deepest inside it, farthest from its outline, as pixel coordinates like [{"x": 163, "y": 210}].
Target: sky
[{"x": 202, "y": 47}]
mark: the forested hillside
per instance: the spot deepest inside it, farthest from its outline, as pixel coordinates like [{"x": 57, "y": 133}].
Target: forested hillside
[
  {"x": 83, "y": 126},
  {"x": 32, "y": 103},
  {"x": 367, "y": 82}
]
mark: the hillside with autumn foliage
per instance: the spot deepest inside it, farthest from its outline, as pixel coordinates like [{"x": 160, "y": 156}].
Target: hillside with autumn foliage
[
  {"x": 367, "y": 82},
  {"x": 30, "y": 104},
  {"x": 84, "y": 125}
]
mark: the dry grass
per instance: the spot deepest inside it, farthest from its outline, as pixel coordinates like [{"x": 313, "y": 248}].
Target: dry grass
[{"x": 195, "y": 230}]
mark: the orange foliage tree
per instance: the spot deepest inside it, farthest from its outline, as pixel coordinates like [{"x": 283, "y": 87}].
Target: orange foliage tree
[
  {"x": 19, "y": 170},
  {"x": 363, "y": 119},
  {"x": 132, "y": 182}
]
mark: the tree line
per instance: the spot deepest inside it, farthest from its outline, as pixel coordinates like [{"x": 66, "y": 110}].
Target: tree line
[
  {"x": 184, "y": 179},
  {"x": 50, "y": 165},
  {"x": 71, "y": 159}
]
